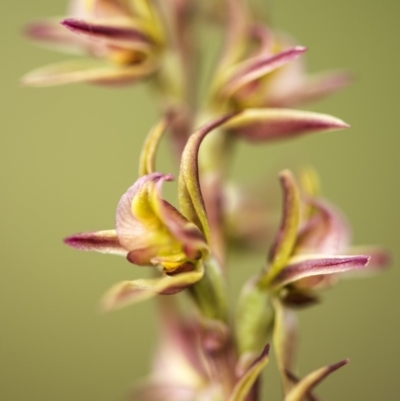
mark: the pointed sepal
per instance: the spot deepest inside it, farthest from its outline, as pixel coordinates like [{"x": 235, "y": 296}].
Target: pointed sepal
[
  {"x": 300, "y": 390},
  {"x": 131, "y": 292},
  {"x": 246, "y": 382},
  {"x": 105, "y": 241},
  {"x": 260, "y": 125}
]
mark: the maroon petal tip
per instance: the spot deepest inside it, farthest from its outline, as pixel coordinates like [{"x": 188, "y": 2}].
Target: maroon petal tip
[
  {"x": 338, "y": 365},
  {"x": 73, "y": 241},
  {"x": 71, "y": 23}
]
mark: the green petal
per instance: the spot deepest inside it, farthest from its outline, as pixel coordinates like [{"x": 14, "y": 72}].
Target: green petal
[
  {"x": 287, "y": 234},
  {"x": 190, "y": 196},
  {"x": 149, "y": 150}
]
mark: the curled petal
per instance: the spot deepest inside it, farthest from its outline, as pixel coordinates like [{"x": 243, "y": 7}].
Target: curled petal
[
  {"x": 131, "y": 292},
  {"x": 137, "y": 221},
  {"x": 153, "y": 231},
  {"x": 260, "y": 125},
  {"x": 149, "y": 150},
  {"x": 286, "y": 237},
  {"x": 190, "y": 196},
  {"x": 105, "y": 241},
  {"x": 258, "y": 67},
  {"x": 111, "y": 32},
  {"x": 243, "y": 387},
  {"x": 285, "y": 340},
  {"x": 97, "y": 72},
  {"x": 317, "y": 265},
  {"x": 300, "y": 390}
]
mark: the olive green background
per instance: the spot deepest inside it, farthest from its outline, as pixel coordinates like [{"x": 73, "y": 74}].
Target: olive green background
[{"x": 68, "y": 154}]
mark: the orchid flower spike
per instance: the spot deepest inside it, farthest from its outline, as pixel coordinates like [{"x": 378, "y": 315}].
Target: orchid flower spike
[{"x": 125, "y": 38}]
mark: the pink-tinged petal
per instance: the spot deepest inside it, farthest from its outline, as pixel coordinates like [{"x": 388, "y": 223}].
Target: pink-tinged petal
[
  {"x": 131, "y": 292},
  {"x": 88, "y": 71},
  {"x": 327, "y": 231},
  {"x": 300, "y": 268},
  {"x": 246, "y": 382},
  {"x": 286, "y": 237},
  {"x": 190, "y": 197},
  {"x": 269, "y": 124},
  {"x": 301, "y": 389},
  {"x": 285, "y": 340},
  {"x": 105, "y": 241},
  {"x": 51, "y": 34},
  {"x": 256, "y": 68},
  {"x": 111, "y": 32},
  {"x": 312, "y": 88},
  {"x": 135, "y": 231}
]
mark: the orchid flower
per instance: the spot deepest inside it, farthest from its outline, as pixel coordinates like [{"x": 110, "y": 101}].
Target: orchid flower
[
  {"x": 125, "y": 37},
  {"x": 306, "y": 251},
  {"x": 263, "y": 68},
  {"x": 150, "y": 231}
]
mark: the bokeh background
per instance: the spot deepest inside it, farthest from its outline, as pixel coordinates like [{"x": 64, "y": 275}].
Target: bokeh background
[{"x": 68, "y": 153}]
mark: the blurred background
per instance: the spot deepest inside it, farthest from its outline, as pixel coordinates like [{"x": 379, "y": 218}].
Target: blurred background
[{"x": 68, "y": 154}]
